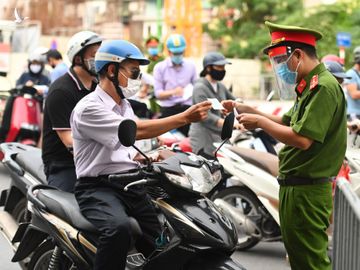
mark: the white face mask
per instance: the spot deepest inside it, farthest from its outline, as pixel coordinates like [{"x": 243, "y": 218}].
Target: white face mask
[
  {"x": 35, "y": 68},
  {"x": 90, "y": 64},
  {"x": 133, "y": 86}
]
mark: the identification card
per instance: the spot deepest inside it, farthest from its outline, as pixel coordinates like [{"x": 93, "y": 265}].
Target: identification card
[{"x": 216, "y": 105}]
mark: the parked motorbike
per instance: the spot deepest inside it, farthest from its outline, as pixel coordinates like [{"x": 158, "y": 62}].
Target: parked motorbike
[
  {"x": 24, "y": 164},
  {"x": 251, "y": 195},
  {"x": 194, "y": 233},
  {"x": 22, "y": 117}
]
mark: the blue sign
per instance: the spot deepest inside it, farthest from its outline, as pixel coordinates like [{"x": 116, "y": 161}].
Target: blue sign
[{"x": 343, "y": 39}]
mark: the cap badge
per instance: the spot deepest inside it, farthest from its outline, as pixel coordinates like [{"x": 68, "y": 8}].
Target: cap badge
[{"x": 278, "y": 40}]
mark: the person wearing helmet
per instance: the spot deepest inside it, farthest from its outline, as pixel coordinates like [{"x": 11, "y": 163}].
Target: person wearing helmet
[
  {"x": 98, "y": 153},
  {"x": 34, "y": 76},
  {"x": 174, "y": 78},
  {"x": 64, "y": 94},
  {"x": 337, "y": 71},
  {"x": 353, "y": 88},
  {"x": 332, "y": 58},
  {"x": 55, "y": 60},
  {"x": 203, "y": 134}
]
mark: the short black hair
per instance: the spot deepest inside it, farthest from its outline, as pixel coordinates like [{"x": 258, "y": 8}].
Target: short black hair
[
  {"x": 308, "y": 49},
  {"x": 102, "y": 72},
  {"x": 54, "y": 54}
]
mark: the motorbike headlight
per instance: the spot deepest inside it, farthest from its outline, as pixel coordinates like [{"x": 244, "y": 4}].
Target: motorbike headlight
[
  {"x": 202, "y": 180},
  {"x": 180, "y": 180},
  {"x": 217, "y": 176}
]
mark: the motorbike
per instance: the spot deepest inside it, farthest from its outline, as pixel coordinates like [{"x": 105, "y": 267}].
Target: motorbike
[
  {"x": 250, "y": 197},
  {"x": 21, "y": 120},
  {"x": 195, "y": 233},
  {"x": 24, "y": 164}
]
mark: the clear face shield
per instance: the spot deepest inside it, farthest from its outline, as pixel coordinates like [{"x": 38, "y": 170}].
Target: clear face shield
[{"x": 285, "y": 78}]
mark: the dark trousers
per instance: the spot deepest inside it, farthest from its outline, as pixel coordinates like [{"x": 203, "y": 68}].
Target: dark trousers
[
  {"x": 108, "y": 208},
  {"x": 169, "y": 111},
  {"x": 61, "y": 176}
]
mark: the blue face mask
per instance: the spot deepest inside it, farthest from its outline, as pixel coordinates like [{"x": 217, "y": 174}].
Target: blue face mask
[
  {"x": 286, "y": 74},
  {"x": 177, "y": 59},
  {"x": 153, "y": 51}
]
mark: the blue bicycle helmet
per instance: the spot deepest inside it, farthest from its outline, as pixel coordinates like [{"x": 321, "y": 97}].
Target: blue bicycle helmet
[
  {"x": 116, "y": 51},
  {"x": 176, "y": 43}
]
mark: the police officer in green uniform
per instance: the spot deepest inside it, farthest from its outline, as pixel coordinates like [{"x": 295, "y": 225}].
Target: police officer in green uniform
[{"x": 314, "y": 134}]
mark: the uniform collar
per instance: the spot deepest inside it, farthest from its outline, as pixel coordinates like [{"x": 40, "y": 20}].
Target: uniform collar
[{"x": 310, "y": 81}]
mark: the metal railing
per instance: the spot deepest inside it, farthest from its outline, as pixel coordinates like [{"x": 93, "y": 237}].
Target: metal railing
[{"x": 346, "y": 238}]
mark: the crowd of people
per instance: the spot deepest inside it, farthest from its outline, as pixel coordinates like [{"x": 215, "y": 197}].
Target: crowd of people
[{"x": 86, "y": 102}]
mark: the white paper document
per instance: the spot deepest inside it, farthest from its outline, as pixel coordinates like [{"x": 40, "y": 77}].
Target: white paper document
[
  {"x": 216, "y": 105},
  {"x": 188, "y": 91},
  {"x": 235, "y": 112}
]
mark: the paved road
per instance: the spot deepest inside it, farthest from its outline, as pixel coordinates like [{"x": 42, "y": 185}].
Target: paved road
[{"x": 269, "y": 256}]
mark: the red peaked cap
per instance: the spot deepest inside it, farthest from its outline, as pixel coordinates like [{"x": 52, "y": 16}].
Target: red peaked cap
[{"x": 280, "y": 34}]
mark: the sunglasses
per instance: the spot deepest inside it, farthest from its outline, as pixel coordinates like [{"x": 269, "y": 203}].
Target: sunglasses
[{"x": 135, "y": 73}]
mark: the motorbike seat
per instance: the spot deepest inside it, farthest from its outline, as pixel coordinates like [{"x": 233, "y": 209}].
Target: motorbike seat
[
  {"x": 267, "y": 162},
  {"x": 64, "y": 205},
  {"x": 31, "y": 162}
]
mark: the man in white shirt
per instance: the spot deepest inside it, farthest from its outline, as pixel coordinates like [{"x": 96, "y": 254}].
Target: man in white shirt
[{"x": 98, "y": 153}]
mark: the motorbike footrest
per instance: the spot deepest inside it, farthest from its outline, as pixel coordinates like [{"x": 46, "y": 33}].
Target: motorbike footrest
[{"x": 135, "y": 260}]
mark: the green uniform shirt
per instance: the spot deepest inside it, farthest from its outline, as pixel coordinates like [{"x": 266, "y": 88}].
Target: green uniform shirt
[
  {"x": 150, "y": 67},
  {"x": 319, "y": 114}
]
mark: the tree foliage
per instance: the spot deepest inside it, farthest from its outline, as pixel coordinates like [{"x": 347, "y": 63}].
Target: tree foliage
[
  {"x": 239, "y": 24},
  {"x": 329, "y": 20},
  {"x": 243, "y": 34}
]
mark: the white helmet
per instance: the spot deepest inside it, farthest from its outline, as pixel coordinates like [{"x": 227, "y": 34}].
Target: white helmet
[
  {"x": 39, "y": 55},
  {"x": 79, "y": 41}
]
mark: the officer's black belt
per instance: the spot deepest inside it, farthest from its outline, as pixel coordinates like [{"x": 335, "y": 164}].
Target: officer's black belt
[{"x": 300, "y": 181}]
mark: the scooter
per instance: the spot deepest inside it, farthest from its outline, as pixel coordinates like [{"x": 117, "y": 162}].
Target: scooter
[
  {"x": 195, "y": 234},
  {"x": 251, "y": 195},
  {"x": 24, "y": 164},
  {"x": 22, "y": 117}
]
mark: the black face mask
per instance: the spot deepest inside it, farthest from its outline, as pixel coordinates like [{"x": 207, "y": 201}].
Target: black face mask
[{"x": 217, "y": 75}]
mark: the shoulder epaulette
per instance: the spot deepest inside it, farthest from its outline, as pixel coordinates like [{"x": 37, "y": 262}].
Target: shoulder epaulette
[{"x": 314, "y": 82}]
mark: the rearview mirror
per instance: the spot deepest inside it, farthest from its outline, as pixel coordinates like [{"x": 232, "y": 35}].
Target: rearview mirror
[
  {"x": 227, "y": 128},
  {"x": 127, "y": 132}
]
